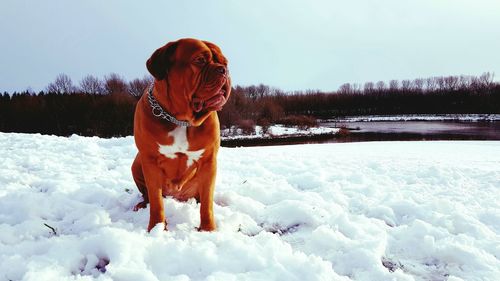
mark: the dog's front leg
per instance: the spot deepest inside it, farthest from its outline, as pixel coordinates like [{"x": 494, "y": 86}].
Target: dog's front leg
[
  {"x": 154, "y": 178},
  {"x": 206, "y": 193}
]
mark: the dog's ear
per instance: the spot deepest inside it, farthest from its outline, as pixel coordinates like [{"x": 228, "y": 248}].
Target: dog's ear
[
  {"x": 216, "y": 53},
  {"x": 160, "y": 61}
]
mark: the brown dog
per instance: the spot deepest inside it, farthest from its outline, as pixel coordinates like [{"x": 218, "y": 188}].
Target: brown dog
[{"x": 176, "y": 128}]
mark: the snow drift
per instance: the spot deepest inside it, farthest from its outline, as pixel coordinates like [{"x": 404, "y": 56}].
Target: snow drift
[{"x": 351, "y": 211}]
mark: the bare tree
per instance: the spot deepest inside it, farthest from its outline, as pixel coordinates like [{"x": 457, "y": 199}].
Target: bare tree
[
  {"x": 252, "y": 92},
  {"x": 62, "y": 84},
  {"x": 345, "y": 88},
  {"x": 115, "y": 84},
  {"x": 464, "y": 82},
  {"x": 356, "y": 88},
  {"x": 380, "y": 86},
  {"x": 486, "y": 79},
  {"x": 368, "y": 87},
  {"x": 137, "y": 86},
  {"x": 440, "y": 82},
  {"x": 393, "y": 85},
  {"x": 91, "y": 85},
  {"x": 430, "y": 84},
  {"x": 451, "y": 82},
  {"x": 279, "y": 93},
  {"x": 418, "y": 84},
  {"x": 406, "y": 85},
  {"x": 263, "y": 90}
]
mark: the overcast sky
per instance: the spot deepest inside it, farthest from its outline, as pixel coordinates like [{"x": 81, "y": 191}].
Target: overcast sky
[{"x": 289, "y": 44}]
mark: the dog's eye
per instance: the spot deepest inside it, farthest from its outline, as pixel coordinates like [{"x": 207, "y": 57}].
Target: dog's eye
[{"x": 200, "y": 61}]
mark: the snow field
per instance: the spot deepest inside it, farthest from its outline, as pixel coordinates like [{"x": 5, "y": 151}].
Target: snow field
[{"x": 350, "y": 211}]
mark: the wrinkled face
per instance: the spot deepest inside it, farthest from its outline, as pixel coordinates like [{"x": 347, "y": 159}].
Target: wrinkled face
[{"x": 195, "y": 72}]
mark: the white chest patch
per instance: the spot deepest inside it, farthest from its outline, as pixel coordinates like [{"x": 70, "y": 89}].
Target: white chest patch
[{"x": 180, "y": 145}]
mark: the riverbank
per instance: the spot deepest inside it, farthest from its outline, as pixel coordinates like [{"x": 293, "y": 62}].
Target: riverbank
[
  {"x": 351, "y": 137},
  {"x": 373, "y": 128},
  {"x": 276, "y": 135}
]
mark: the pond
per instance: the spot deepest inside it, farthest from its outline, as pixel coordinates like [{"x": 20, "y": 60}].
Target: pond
[
  {"x": 483, "y": 130},
  {"x": 415, "y": 130}
]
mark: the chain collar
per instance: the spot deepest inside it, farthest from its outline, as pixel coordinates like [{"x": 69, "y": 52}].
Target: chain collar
[{"x": 158, "y": 111}]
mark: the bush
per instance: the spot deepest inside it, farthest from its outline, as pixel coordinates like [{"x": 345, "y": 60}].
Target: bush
[
  {"x": 265, "y": 125},
  {"x": 247, "y": 126},
  {"x": 269, "y": 110},
  {"x": 344, "y": 131},
  {"x": 301, "y": 121}
]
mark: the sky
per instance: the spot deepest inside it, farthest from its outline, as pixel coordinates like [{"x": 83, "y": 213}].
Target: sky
[{"x": 288, "y": 44}]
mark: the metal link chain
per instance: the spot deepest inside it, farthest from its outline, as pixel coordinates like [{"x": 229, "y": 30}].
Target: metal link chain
[{"x": 158, "y": 111}]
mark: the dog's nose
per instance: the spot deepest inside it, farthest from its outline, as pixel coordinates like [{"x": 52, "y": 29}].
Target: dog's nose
[{"x": 221, "y": 69}]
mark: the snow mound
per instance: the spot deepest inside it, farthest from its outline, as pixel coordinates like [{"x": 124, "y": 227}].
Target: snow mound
[{"x": 350, "y": 211}]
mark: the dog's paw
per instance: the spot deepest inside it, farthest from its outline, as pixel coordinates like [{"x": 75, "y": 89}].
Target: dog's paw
[
  {"x": 207, "y": 227},
  {"x": 157, "y": 228},
  {"x": 140, "y": 205}
]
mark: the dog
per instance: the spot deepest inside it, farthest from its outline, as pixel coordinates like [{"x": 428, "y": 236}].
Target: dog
[{"x": 176, "y": 128}]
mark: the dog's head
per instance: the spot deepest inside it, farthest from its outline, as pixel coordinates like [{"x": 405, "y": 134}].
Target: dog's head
[{"x": 194, "y": 74}]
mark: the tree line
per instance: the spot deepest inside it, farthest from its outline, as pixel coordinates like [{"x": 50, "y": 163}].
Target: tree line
[
  {"x": 434, "y": 95},
  {"x": 105, "y": 107}
]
